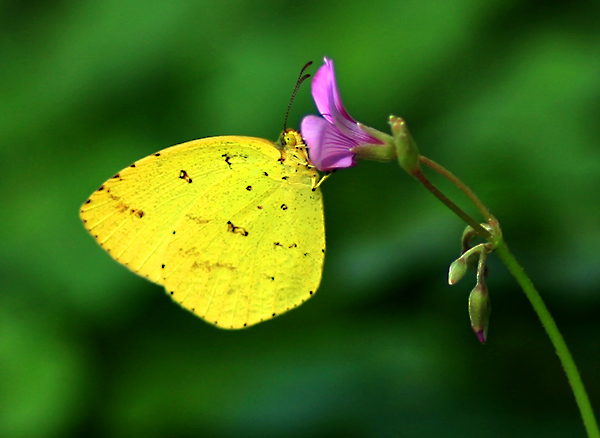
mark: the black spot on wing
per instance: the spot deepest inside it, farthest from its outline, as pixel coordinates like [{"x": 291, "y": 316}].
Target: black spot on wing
[
  {"x": 184, "y": 176},
  {"x": 237, "y": 230}
]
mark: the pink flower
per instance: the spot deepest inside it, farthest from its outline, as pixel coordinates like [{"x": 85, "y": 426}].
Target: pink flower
[{"x": 330, "y": 139}]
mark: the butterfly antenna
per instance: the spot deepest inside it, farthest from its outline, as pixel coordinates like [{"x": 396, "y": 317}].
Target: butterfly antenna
[{"x": 301, "y": 78}]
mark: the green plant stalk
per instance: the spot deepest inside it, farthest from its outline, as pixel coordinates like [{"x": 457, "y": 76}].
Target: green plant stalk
[
  {"x": 581, "y": 397},
  {"x": 458, "y": 183},
  {"x": 451, "y": 205},
  {"x": 499, "y": 246}
]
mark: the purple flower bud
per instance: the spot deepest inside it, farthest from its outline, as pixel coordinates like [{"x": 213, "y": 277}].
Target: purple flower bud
[
  {"x": 479, "y": 311},
  {"x": 330, "y": 138}
]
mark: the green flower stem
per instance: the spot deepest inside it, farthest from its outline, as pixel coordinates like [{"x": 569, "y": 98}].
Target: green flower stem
[
  {"x": 451, "y": 205},
  {"x": 404, "y": 145},
  {"x": 458, "y": 183},
  {"x": 556, "y": 338}
]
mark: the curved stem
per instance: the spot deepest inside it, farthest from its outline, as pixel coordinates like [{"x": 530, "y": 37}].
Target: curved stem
[
  {"x": 556, "y": 338},
  {"x": 451, "y": 205},
  {"x": 458, "y": 183}
]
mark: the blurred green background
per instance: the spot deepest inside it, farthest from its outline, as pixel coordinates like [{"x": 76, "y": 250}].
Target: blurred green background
[{"x": 506, "y": 94}]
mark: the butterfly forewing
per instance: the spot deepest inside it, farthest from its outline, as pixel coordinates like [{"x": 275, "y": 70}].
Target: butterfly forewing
[{"x": 232, "y": 232}]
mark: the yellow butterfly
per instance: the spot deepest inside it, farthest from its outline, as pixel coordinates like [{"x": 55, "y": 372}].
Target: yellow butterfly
[{"x": 232, "y": 227}]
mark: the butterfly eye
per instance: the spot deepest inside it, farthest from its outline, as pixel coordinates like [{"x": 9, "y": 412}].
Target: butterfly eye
[{"x": 289, "y": 139}]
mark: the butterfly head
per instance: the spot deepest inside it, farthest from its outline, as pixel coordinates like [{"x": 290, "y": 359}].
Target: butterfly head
[{"x": 292, "y": 148}]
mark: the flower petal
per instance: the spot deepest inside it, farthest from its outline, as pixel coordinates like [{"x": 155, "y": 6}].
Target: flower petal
[
  {"x": 326, "y": 94},
  {"x": 329, "y": 103},
  {"x": 331, "y": 138},
  {"x": 321, "y": 85},
  {"x": 328, "y": 147},
  {"x": 312, "y": 128}
]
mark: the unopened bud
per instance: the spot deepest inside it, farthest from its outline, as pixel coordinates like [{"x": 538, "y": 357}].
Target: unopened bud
[
  {"x": 467, "y": 260},
  {"x": 406, "y": 148},
  {"x": 457, "y": 270},
  {"x": 479, "y": 311}
]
